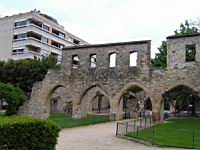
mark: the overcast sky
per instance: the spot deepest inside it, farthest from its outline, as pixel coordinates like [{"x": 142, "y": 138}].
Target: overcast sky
[{"x": 104, "y": 21}]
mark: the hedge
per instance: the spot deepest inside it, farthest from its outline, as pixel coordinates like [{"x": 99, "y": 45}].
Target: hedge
[{"x": 25, "y": 133}]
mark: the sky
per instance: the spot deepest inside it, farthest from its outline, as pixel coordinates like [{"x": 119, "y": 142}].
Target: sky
[{"x": 105, "y": 21}]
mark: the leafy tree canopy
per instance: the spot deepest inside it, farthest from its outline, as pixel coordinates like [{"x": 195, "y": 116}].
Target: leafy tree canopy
[
  {"x": 160, "y": 59},
  {"x": 23, "y": 73},
  {"x": 13, "y": 96}
]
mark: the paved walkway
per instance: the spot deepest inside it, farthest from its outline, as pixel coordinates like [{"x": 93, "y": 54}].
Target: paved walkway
[{"x": 97, "y": 137}]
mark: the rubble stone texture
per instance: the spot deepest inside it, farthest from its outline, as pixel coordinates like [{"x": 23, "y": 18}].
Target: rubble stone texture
[{"x": 79, "y": 85}]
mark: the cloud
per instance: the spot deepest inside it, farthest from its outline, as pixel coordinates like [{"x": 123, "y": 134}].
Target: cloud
[{"x": 102, "y": 21}]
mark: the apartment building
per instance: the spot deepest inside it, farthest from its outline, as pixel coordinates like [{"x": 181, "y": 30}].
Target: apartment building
[{"x": 33, "y": 34}]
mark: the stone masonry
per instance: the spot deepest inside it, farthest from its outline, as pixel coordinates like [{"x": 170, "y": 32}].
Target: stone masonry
[{"x": 80, "y": 84}]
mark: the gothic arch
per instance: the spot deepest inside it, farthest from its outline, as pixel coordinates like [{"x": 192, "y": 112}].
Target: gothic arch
[
  {"x": 129, "y": 86},
  {"x": 88, "y": 95},
  {"x": 179, "y": 93},
  {"x": 189, "y": 86},
  {"x": 47, "y": 96},
  {"x": 119, "y": 112}
]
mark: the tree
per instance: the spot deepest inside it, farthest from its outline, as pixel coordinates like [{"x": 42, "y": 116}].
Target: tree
[
  {"x": 186, "y": 29},
  {"x": 13, "y": 96},
  {"x": 160, "y": 59},
  {"x": 23, "y": 73}
]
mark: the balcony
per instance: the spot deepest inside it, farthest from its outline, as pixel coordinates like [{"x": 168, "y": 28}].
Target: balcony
[
  {"x": 26, "y": 55},
  {"x": 31, "y": 52},
  {"x": 57, "y": 44},
  {"x": 36, "y": 29},
  {"x": 30, "y": 41}
]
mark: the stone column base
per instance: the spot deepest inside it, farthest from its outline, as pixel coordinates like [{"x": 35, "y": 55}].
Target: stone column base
[{"x": 156, "y": 116}]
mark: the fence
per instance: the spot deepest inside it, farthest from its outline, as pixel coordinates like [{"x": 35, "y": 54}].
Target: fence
[
  {"x": 168, "y": 138},
  {"x": 134, "y": 125},
  {"x": 141, "y": 129},
  {"x": 69, "y": 122},
  {"x": 180, "y": 114}
]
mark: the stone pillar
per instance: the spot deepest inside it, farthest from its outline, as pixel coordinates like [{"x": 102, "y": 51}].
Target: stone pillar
[
  {"x": 119, "y": 109},
  {"x": 113, "y": 109},
  {"x": 156, "y": 107},
  {"x": 76, "y": 110}
]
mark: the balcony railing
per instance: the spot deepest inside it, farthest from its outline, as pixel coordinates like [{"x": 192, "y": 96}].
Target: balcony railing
[
  {"x": 27, "y": 55},
  {"x": 40, "y": 28}
]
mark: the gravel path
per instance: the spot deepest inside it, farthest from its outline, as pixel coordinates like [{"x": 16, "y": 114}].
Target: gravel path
[{"x": 97, "y": 137}]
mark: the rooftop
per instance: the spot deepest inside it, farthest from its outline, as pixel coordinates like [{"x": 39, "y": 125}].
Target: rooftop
[
  {"x": 182, "y": 36},
  {"x": 106, "y": 44}
]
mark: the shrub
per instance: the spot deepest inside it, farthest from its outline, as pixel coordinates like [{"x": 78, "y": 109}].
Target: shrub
[
  {"x": 13, "y": 96},
  {"x": 25, "y": 133},
  {"x": 23, "y": 73}
]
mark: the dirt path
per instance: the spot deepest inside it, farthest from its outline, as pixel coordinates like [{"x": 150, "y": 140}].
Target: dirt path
[{"x": 97, "y": 137}]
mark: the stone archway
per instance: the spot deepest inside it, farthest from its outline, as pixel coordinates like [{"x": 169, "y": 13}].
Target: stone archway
[
  {"x": 48, "y": 100},
  {"x": 90, "y": 101},
  {"x": 182, "y": 100},
  {"x": 137, "y": 100}
]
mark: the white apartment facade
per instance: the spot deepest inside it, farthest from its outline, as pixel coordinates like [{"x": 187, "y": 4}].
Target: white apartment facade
[{"x": 31, "y": 34}]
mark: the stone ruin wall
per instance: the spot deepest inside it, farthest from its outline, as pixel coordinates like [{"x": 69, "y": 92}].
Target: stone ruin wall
[{"x": 115, "y": 81}]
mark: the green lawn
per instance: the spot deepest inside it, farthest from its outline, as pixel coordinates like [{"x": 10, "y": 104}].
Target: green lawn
[
  {"x": 64, "y": 122},
  {"x": 2, "y": 114},
  {"x": 183, "y": 133}
]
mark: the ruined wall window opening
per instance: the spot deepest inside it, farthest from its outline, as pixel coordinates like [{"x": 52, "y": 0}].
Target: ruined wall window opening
[
  {"x": 93, "y": 60},
  {"x": 133, "y": 59},
  {"x": 190, "y": 51},
  {"x": 75, "y": 61},
  {"x": 112, "y": 60}
]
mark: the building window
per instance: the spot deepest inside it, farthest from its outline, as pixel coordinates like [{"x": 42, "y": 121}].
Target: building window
[
  {"x": 75, "y": 61},
  {"x": 190, "y": 52},
  {"x": 133, "y": 59},
  {"x": 112, "y": 60},
  {"x": 20, "y": 23},
  {"x": 61, "y": 46},
  {"x": 44, "y": 40},
  {"x": 20, "y": 36},
  {"x": 76, "y": 41},
  {"x": 93, "y": 61},
  {"x": 18, "y": 51},
  {"x": 61, "y": 35},
  {"x": 44, "y": 53},
  {"x": 45, "y": 27},
  {"x": 58, "y": 33},
  {"x": 71, "y": 40}
]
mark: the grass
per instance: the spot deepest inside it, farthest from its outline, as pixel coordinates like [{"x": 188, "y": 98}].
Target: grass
[
  {"x": 183, "y": 133},
  {"x": 2, "y": 114},
  {"x": 64, "y": 122}
]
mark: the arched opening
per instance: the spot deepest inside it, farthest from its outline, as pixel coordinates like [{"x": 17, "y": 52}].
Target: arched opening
[
  {"x": 134, "y": 103},
  {"x": 54, "y": 101},
  {"x": 95, "y": 102},
  {"x": 67, "y": 107},
  {"x": 54, "y": 104},
  {"x": 181, "y": 100}
]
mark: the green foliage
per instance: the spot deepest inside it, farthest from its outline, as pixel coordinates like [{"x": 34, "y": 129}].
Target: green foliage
[
  {"x": 64, "y": 122},
  {"x": 160, "y": 59},
  {"x": 190, "y": 52},
  {"x": 23, "y": 73},
  {"x": 25, "y": 133},
  {"x": 186, "y": 29},
  {"x": 13, "y": 96}
]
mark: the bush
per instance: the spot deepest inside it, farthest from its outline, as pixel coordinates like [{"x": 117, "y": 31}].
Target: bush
[
  {"x": 23, "y": 73},
  {"x": 25, "y": 133},
  {"x": 13, "y": 96}
]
